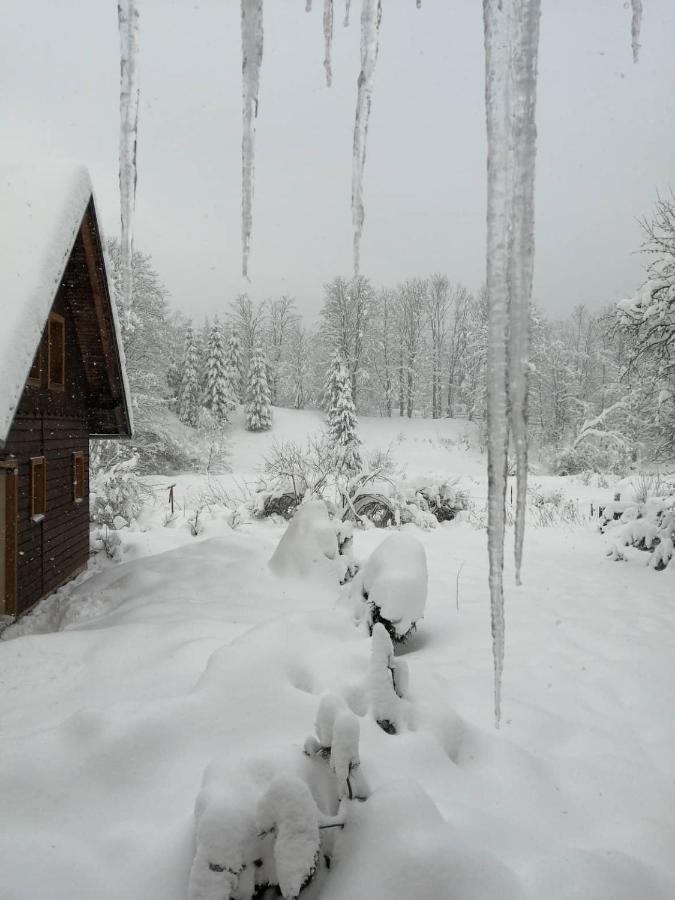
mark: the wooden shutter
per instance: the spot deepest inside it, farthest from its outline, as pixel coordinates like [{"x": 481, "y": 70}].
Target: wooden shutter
[
  {"x": 38, "y": 481},
  {"x": 78, "y": 476},
  {"x": 57, "y": 352}
]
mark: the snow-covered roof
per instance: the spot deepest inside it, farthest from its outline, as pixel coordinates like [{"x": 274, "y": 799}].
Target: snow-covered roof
[{"x": 41, "y": 210}]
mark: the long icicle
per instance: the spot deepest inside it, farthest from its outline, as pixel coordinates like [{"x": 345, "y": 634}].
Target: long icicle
[
  {"x": 127, "y": 13},
  {"x": 251, "y": 60},
  {"x": 525, "y": 32},
  {"x": 635, "y": 26},
  {"x": 348, "y": 6},
  {"x": 498, "y": 107},
  {"x": 371, "y": 15},
  {"x": 328, "y": 39}
]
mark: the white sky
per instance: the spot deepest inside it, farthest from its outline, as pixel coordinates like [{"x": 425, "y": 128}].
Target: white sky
[{"x": 606, "y": 140}]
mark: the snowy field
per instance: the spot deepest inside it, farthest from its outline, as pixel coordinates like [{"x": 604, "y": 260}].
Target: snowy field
[{"x": 119, "y": 692}]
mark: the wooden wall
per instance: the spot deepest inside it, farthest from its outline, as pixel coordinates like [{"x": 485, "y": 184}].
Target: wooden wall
[{"x": 53, "y": 424}]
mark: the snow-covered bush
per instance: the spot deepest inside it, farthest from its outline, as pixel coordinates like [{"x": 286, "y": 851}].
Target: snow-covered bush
[
  {"x": 589, "y": 456},
  {"x": 648, "y": 526},
  {"x": 393, "y": 585},
  {"x": 309, "y": 544},
  {"x": 387, "y": 681},
  {"x": 288, "y": 810},
  {"x": 344, "y": 753},
  {"x": 115, "y": 490}
]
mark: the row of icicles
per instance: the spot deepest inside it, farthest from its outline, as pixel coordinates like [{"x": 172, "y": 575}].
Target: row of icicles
[{"x": 511, "y": 32}]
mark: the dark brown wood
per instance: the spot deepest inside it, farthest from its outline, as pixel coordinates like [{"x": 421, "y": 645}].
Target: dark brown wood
[{"x": 9, "y": 485}]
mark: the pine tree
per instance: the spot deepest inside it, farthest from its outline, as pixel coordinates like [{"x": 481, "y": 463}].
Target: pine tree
[
  {"x": 342, "y": 419},
  {"x": 218, "y": 395},
  {"x": 258, "y": 399},
  {"x": 233, "y": 366},
  {"x": 189, "y": 393}
]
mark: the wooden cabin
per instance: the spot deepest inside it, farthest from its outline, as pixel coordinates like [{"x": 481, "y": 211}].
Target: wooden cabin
[{"x": 62, "y": 377}]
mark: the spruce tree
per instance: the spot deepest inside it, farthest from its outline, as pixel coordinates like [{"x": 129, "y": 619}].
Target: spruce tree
[
  {"x": 258, "y": 398},
  {"x": 218, "y": 392},
  {"x": 233, "y": 366},
  {"x": 342, "y": 427},
  {"x": 329, "y": 398},
  {"x": 189, "y": 392}
]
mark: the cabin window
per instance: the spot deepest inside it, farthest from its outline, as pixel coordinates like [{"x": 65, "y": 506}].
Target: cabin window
[
  {"x": 57, "y": 352},
  {"x": 38, "y": 481},
  {"x": 78, "y": 476},
  {"x": 35, "y": 374}
]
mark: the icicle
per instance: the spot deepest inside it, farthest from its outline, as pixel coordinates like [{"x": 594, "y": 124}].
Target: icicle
[
  {"x": 371, "y": 15},
  {"x": 308, "y": 6},
  {"x": 348, "y": 6},
  {"x": 328, "y": 39},
  {"x": 525, "y": 30},
  {"x": 419, "y": 4},
  {"x": 127, "y": 14},
  {"x": 511, "y": 40},
  {"x": 251, "y": 59},
  {"x": 635, "y": 25}
]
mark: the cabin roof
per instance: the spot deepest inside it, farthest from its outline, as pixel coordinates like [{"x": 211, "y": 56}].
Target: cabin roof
[{"x": 42, "y": 209}]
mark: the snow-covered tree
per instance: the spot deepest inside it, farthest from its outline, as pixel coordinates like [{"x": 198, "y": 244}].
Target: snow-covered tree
[
  {"x": 189, "y": 393},
  {"x": 346, "y": 323},
  {"x": 298, "y": 367},
  {"x": 218, "y": 389},
  {"x": 341, "y": 418},
  {"x": 234, "y": 366},
  {"x": 258, "y": 400},
  {"x": 649, "y": 319}
]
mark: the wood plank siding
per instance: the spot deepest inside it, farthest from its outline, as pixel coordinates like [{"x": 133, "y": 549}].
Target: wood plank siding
[{"x": 53, "y": 423}]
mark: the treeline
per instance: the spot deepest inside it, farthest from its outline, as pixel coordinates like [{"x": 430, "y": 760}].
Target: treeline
[{"x": 601, "y": 387}]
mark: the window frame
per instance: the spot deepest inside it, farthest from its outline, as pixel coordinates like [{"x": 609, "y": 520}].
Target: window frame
[
  {"x": 56, "y": 385},
  {"x": 37, "y": 514},
  {"x": 78, "y": 477}
]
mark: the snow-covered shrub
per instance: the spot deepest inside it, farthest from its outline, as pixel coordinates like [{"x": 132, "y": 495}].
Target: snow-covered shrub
[
  {"x": 586, "y": 456},
  {"x": 344, "y": 754},
  {"x": 114, "y": 487},
  {"x": 288, "y": 810},
  {"x": 330, "y": 705},
  {"x": 160, "y": 447},
  {"x": 647, "y": 526},
  {"x": 226, "y": 840},
  {"x": 309, "y": 543},
  {"x": 393, "y": 585},
  {"x": 385, "y": 688},
  {"x": 549, "y": 507},
  {"x": 107, "y": 540}
]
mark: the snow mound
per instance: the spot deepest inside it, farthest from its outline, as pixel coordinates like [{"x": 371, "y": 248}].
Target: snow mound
[{"x": 397, "y": 847}]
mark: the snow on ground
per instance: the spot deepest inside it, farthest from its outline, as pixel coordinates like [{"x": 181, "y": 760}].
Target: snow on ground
[{"x": 192, "y": 651}]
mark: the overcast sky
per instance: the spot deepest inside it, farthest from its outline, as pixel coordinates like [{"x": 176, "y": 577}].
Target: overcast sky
[{"x": 606, "y": 140}]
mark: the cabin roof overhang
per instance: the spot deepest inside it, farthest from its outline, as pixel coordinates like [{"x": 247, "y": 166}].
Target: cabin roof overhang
[{"x": 44, "y": 211}]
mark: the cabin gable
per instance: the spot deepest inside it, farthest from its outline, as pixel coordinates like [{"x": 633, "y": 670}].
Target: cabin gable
[{"x": 74, "y": 389}]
